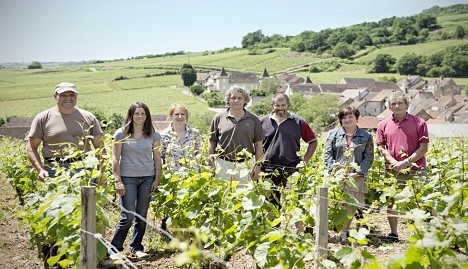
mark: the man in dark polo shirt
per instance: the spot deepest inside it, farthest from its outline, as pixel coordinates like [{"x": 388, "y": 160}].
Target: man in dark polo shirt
[
  {"x": 283, "y": 133},
  {"x": 233, "y": 133}
]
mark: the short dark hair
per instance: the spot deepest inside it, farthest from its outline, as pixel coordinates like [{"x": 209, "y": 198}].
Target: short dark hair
[
  {"x": 349, "y": 110},
  {"x": 279, "y": 97}
]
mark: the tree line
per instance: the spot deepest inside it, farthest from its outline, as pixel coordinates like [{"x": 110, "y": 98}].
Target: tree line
[
  {"x": 345, "y": 42},
  {"x": 450, "y": 62}
]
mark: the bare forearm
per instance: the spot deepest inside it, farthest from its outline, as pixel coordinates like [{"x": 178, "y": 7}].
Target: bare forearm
[
  {"x": 388, "y": 158},
  {"x": 258, "y": 151},
  {"x": 419, "y": 153},
  {"x": 35, "y": 160},
  {"x": 211, "y": 151},
  {"x": 311, "y": 148}
]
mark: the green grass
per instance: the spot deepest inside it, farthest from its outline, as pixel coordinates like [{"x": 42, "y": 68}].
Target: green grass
[
  {"x": 27, "y": 92},
  {"x": 450, "y": 20},
  {"x": 238, "y": 60},
  {"x": 419, "y": 49}
]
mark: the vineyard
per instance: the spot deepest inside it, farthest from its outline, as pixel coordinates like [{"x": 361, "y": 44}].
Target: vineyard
[{"x": 212, "y": 222}]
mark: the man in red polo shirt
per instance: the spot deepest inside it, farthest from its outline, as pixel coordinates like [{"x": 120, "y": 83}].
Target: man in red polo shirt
[{"x": 403, "y": 141}]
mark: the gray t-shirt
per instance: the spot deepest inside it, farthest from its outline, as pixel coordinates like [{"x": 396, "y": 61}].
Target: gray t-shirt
[
  {"x": 136, "y": 158},
  {"x": 59, "y": 131},
  {"x": 234, "y": 136}
]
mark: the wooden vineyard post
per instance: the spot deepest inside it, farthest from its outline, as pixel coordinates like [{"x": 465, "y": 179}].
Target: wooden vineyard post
[
  {"x": 88, "y": 224},
  {"x": 321, "y": 236}
]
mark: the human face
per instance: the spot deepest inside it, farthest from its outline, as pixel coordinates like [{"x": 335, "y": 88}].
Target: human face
[
  {"x": 398, "y": 107},
  {"x": 66, "y": 100},
  {"x": 349, "y": 121},
  {"x": 280, "y": 108},
  {"x": 179, "y": 115},
  {"x": 139, "y": 116},
  {"x": 236, "y": 101}
]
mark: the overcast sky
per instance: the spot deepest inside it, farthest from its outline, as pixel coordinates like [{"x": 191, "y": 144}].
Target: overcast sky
[{"x": 76, "y": 30}]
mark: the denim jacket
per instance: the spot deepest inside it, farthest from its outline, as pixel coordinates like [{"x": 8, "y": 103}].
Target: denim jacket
[{"x": 336, "y": 145}]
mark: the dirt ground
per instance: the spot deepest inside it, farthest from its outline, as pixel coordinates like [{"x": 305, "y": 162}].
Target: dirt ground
[
  {"x": 16, "y": 252},
  {"x": 15, "y": 249}
]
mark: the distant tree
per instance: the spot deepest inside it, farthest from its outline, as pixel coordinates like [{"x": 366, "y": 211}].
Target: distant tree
[
  {"x": 262, "y": 107},
  {"x": 35, "y": 65},
  {"x": 381, "y": 35},
  {"x": 455, "y": 61},
  {"x": 362, "y": 41},
  {"x": 343, "y": 50},
  {"x": 2, "y": 121},
  {"x": 383, "y": 63},
  {"x": 387, "y": 22},
  {"x": 426, "y": 21},
  {"x": 115, "y": 121},
  {"x": 408, "y": 64},
  {"x": 319, "y": 41},
  {"x": 320, "y": 110},
  {"x": 401, "y": 28},
  {"x": 197, "y": 89},
  {"x": 252, "y": 38},
  {"x": 270, "y": 85},
  {"x": 460, "y": 32},
  {"x": 297, "y": 45},
  {"x": 314, "y": 69},
  {"x": 213, "y": 98},
  {"x": 258, "y": 92},
  {"x": 188, "y": 75}
]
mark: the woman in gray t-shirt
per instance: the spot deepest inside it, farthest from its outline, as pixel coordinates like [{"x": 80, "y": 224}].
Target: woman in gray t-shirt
[{"x": 136, "y": 164}]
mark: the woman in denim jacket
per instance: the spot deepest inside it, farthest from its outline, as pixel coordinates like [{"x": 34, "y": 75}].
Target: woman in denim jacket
[{"x": 349, "y": 152}]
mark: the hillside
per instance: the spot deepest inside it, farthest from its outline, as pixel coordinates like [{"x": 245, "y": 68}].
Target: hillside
[{"x": 110, "y": 86}]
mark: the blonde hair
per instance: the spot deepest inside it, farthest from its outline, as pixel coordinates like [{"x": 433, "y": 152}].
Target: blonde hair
[{"x": 174, "y": 107}]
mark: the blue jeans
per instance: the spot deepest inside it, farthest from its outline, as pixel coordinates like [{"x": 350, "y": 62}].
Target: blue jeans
[
  {"x": 136, "y": 199},
  {"x": 50, "y": 167}
]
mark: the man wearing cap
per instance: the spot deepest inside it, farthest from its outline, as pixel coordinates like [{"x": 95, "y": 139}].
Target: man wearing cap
[{"x": 60, "y": 128}]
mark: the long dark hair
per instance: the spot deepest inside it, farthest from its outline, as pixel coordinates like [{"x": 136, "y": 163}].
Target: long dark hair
[{"x": 128, "y": 124}]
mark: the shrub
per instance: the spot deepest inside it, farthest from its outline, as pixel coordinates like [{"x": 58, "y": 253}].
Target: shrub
[
  {"x": 120, "y": 78},
  {"x": 197, "y": 89},
  {"x": 314, "y": 69},
  {"x": 213, "y": 98},
  {"x": 258, "y": 92},
  {"x": 35, "y": 65}
]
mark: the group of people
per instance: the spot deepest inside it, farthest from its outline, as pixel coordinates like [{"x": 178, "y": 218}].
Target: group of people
[{"x": 241, "y": 147}]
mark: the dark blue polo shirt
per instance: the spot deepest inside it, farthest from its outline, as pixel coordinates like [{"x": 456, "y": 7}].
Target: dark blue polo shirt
[{"x": 282, "y": 141}]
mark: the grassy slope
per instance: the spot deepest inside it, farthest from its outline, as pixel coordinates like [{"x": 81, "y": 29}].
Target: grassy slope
[{"x": 26, "y": 92}]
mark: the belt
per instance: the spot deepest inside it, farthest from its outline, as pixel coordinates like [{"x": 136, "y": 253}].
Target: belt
[
  {"x": 61, "y": 160},
  {"x": 238, "y": 160}
]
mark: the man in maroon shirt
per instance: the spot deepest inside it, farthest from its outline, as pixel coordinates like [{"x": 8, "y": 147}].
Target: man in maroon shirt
[
  {"x": 283, "y": 134},
  {"x": 403, "y": 141}
]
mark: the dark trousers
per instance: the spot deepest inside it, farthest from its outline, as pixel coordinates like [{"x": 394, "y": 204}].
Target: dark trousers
[{"x": 279, "y": 176}]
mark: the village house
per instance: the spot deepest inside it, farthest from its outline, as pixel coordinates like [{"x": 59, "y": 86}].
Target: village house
[
  {"x": 307, "y": 89},
  {"x": 443, "y": 86},
  {"x": 221, "y": 81},
  {"x": 359, "y": 83},
  {"x": 411, "y": 83},
  {"x": 290, "y": 79}
]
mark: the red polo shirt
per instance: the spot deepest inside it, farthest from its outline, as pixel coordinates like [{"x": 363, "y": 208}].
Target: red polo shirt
[{"x": 402, "y": 138}]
